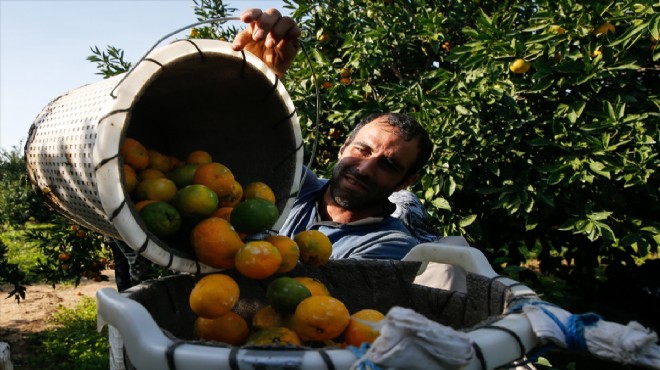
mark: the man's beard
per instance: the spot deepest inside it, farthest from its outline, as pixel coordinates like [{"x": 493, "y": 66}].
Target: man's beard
[{"x": 349, "y": 200}]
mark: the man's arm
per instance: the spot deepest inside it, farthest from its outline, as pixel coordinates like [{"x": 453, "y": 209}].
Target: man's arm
[{"x": 271, "y": 37}]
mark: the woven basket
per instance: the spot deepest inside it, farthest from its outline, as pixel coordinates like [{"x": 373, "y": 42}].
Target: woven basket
[{"x": 189, "y": 95}]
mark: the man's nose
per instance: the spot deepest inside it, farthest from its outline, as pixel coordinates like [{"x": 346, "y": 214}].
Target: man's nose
[{"x": 367, "y": 166}]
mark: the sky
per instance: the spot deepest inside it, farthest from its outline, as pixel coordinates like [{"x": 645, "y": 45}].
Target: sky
[{"x": 44, "y": 45}]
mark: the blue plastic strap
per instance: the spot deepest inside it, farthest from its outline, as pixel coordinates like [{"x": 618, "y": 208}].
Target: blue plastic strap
[
  {"x": 363, "y": 363},
  {"x": 574, "y": 328}
]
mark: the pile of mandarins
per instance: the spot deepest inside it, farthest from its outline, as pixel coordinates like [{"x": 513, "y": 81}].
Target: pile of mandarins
[
  {"x": 201, "y": 196},
  {"x": 300, "y": 312}
]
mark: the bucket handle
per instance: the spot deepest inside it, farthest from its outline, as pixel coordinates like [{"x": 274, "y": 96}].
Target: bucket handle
[
  {"x": 222, "y": 19},
  {"x": 227, "y": 19}
]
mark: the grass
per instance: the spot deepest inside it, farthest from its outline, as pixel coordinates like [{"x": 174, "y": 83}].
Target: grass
[
  {"x": 74, "y": 343},
  {"x": 22, "y": 252}
]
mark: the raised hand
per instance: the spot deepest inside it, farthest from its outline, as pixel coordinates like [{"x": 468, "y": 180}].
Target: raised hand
[{"x": 271, "y": 37}]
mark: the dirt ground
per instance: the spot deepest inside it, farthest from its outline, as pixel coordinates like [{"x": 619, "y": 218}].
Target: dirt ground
[{"x": 18, "y": 320}]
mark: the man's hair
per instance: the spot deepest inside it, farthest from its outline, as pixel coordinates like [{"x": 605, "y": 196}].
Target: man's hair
[{"x": 409, "y": 129}]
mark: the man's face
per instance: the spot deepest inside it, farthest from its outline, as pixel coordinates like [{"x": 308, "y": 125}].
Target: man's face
[{"x": 373, "y": 166}]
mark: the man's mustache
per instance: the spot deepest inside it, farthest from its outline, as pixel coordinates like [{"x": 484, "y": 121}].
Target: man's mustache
[{"x": 362, "y": 179}]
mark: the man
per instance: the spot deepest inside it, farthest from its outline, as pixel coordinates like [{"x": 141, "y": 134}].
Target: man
[{"x": 382, "y": 155}]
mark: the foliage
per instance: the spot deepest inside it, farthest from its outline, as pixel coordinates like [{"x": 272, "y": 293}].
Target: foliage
[
  {"x": 18, "y": 205},
  {"x": 207, "y": 10},
  {"x": 109, "y": 62},
  {"x": 562, "y": 159},
  {"x": 18, "y": 201},
  {"x": 74, "y": 343},
  {"x": 70, "y": 252},
  {"x": 10, "y": 273}
]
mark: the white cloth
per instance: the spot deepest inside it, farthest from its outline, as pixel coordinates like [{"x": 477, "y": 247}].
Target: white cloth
[
  {"x": 442, "y": 275},
  {"x": 408, "y": 340},
  {"x": 630, "y": 344}
]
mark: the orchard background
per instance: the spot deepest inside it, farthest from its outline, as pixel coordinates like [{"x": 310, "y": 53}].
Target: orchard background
[{"x": 552, "y": 169}]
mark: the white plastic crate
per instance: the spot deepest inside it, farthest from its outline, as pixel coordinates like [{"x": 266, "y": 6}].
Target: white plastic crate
[{"x": 154, "y": 322}]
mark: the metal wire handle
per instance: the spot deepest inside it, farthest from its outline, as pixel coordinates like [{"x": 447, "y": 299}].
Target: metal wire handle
[{"x": 223, "y": 20}]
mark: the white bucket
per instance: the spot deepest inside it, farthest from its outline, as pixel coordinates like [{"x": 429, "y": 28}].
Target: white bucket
[
  {"x": 151, "y": 324},
  {"x": 189, "y": 95}
]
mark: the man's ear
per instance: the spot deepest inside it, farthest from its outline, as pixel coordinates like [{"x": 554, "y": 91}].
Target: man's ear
[{"x": 411, "y": 179}]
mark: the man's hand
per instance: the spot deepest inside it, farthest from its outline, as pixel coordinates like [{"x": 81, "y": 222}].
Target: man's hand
[{"x": 269, "y": 36}]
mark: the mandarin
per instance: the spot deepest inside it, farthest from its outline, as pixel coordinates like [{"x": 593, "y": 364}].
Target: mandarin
[
  {"x": 161, "y": 218},
  {"x": 361, "y": 327},
  {"x": 150, "y": 173},
  {"x": 320, "y": 318},
  {"x": 195, "y": 202},
  {"x": 214, "y": 295},
  {"x": 229, "y": 328},
  {"x": 199, "y": 157},
  {"x": 215, "y": 242},
  {"x": 176, "y": 162},
  {"x": 315, "y": 286},
  {"x": 258, "y": 259},
  {"x": 288, "y": 250},
  {"x": 519, "y": 66},
  {"x": 130, "y": 178},
  {"x": 139, "y": 205},
  {"x": 268, "y": 317},
  {"x": 259, "y": 189},
  {"x": 285, "y": 293},
  {"x": 223, "y": 212},
  {"x": 604, "y": 29},
  {"x": 234, "y": 197},
  {"x": 159, "y": 161},
  {"x": 134, "y": 154},
  {"x": 183, "y": 175},
  {"x": 277, "y": 336},
  {"x": 216, "y": 176},
  {"x": 161, "y": 189},
  {"x": 254, "y": 215},
  {"x": 315, "y": 247}
]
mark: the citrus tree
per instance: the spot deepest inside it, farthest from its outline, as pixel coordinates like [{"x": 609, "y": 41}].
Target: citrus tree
[
  {"x": 544, "y": 115},
  {"x": 18, "y": 202}
]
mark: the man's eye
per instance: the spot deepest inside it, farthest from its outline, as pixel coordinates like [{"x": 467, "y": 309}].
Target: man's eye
[{"x": 361, "y": 150}]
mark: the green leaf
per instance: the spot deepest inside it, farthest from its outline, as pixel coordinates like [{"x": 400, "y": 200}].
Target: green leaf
[
  {"x": 542, "y": 85},
  {"x": 470, "y": 32},
  {"x": 654, "y": 26},
  {"x": 467, "y": 220},
  {"x": 632, "y": 66},
  {"x": 599, "y": 215},
  {"x": 441, "y": 203},
  {"x": 629, "y": 34},
  {"x": 598, "y": 168},
  {"x": 462, "y": 110},
  {"x": 483, "y": 18}
]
